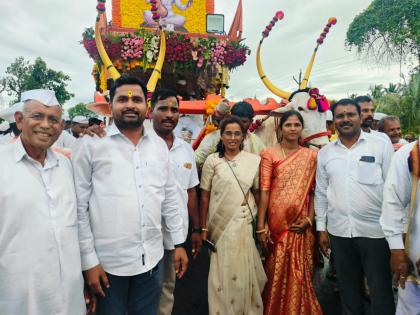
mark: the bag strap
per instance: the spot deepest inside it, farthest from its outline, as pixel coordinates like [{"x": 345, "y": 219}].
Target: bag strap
[{"x": 240, "y": 186}]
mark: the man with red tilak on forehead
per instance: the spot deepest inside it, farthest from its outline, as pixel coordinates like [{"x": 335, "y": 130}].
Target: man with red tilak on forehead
[{"x": 126, "y": 191}]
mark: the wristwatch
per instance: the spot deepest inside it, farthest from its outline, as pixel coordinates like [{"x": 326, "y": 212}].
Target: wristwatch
[
  {"x": 196, "y": 230},
  {"x": 180, "y": 245}
]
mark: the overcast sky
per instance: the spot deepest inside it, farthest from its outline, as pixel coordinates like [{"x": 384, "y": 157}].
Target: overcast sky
[{"x": 53, "y": 29}]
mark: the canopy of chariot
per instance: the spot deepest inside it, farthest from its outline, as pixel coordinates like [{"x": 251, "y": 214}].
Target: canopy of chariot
[{"x": 166, "y": 43}]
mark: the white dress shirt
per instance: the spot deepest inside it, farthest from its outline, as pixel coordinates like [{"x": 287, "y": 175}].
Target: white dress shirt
[
  {"x": 66, "y": 140},
  {"x": 348, "y": 195},
  {"x": 7, "y": 138},
  {"x": 184, "y": 169},
  {"x": 40, "y": 268},
  {"x": 396, "y": 201},
  {"x": 381, "y": 135},
  {"x": 124, "y": 191}
]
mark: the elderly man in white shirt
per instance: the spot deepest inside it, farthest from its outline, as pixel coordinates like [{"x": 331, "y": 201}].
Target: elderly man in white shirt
[
  {"x": 400, "y": 221},
  {"x": 348, "y": 200},
  {"x": 165, "y": 117},
  {"x": 40, "y": 267},
  {"x": 391, "y": 126},
  {"x": 125, "y": 189}
]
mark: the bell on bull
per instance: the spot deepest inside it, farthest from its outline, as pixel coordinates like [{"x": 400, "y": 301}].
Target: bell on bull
[{"x": 308, "y": 101}]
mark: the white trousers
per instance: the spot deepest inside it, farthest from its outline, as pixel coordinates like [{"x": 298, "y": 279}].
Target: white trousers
[
  {"x": 169, "y": 277},
  {"x": 409, "y": 299}
]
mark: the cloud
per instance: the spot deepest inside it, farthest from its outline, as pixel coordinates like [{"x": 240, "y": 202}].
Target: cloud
[{"x": 52, "y": 30}]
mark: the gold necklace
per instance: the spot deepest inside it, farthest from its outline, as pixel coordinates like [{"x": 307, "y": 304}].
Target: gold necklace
[{"x": 284, "y": 153}]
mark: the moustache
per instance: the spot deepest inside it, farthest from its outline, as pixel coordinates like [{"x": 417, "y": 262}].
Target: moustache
[
  {"x": 345, "y": 124},
  {"x": 168, "y": 121}
]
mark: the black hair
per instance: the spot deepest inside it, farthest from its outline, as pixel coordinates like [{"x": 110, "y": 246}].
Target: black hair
[
  {"x": 94, "y": 121},
  {"x": 243, "y": 109},
  {"x": 345, "y": 102},
  {"x": 13, "y": 127},
  {"x": 362, "y": 99},
  {"x": 381, "y": 123},
  {"x": 161, "y": 95},
  {"x": 288, "y": 114},
  {"x": 126, "y": 80},
  {"x": 223, "y": 124}
]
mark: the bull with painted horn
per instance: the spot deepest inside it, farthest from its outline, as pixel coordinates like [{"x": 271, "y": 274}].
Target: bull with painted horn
[{"x": 308, "y": 101}]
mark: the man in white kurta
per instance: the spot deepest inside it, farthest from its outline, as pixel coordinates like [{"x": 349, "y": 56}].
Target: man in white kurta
[
  {"x": 394, "y": 221},
  {"x": 40, "y": 268}
]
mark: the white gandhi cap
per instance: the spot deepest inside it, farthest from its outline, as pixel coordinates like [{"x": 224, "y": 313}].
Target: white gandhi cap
[
  {"x": 45, "y": 97},
  {"x": 80, "y": 120}
]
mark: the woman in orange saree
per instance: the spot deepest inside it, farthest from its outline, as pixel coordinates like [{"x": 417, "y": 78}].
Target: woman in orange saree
[{"x": 285, "y": 216}]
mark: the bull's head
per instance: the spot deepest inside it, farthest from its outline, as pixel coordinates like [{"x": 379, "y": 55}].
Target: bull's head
[
  {"x": 308, "y": 102},
  {"x": 314, "y": 131}
]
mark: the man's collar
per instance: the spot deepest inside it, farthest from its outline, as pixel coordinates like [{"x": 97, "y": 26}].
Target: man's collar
[
  {"x": 113, "y": 130},
  {"x": 177, "y": 142},
  {"x": 361, "y": 137},
  {"x": 51, "y": 158}
]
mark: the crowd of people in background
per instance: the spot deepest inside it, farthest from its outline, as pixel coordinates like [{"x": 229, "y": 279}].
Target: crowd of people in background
[{"x": 94, "y": 219}]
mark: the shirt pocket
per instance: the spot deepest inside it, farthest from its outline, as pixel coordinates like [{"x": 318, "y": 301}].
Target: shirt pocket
[
  {"x": 368, "y": 173},
  {"x": 184, "y": 175}
]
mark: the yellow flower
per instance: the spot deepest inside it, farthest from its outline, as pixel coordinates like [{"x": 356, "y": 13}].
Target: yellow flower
[{"x": 132, "y": 14}]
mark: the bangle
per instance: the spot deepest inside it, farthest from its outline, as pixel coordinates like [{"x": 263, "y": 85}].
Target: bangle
[
  {"x": 261, "y": 231},
  {"x": 204, "y": 230},
  {"x": 309, "y": 221}
]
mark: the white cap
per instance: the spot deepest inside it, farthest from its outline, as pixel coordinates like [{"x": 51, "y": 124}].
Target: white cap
[
  {"x": 4, "y": 126},
  {"x": 80, "y": 120},
  {"x": 379, "y": 116},
  {"x": 8, "y": 114},
  {"x": 45, "y": 97},
  {"x": 329, "y": 115}
]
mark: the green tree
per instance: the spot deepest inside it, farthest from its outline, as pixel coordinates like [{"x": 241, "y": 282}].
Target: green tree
[
  {"x": 388, "y": 30},
  {"x": 405, "y": 104},
  {"x": 80, "y": 110},
  {"x": 22, "y": 75},
  {"x": 377, "y": 91},
  {"x": 392, "y": 88}
]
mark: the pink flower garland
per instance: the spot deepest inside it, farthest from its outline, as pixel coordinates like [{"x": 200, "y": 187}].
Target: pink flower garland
[
  {"x": 218, "y": 52},
  {"x": 132, "y": 47}
]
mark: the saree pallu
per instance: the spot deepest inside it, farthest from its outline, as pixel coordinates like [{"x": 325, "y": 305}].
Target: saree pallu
[
  {"x": 236, "y": 276},
  {"x": 289, "y": 264}
]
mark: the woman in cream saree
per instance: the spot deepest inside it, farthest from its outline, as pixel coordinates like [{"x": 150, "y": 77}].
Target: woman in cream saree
[{"x": 236, "y": 277}]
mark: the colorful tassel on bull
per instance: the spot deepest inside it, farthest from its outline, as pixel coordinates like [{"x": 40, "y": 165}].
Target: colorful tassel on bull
[{"x": 317, "y": 101}]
